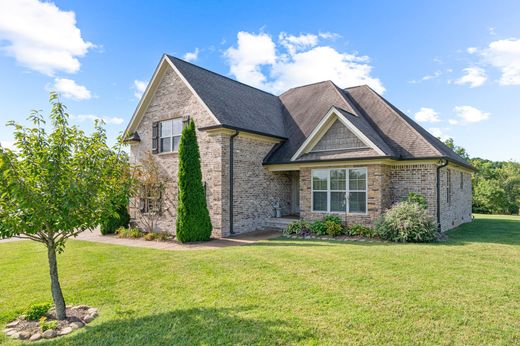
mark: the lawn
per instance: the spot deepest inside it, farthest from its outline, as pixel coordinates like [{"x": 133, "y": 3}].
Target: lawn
[{"x": 463, "y": 291}]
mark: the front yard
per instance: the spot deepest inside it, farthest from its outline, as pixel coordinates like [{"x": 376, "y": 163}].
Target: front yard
[{"x": 463, "y": 291}]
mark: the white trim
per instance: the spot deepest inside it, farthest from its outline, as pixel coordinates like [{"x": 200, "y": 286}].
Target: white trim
[
  {"x": 347, "y": 191},
  {"x": 151, "y": 89},
  {"x": 321, "y": 128}
]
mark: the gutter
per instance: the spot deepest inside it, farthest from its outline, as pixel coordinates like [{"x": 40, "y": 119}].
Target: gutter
[
  {"x": 444, "y": 164},
  {"x": 224, "y": 126},
  {"x": 231, "y": 180}
]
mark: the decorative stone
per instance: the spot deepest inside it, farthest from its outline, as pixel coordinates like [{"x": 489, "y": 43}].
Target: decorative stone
[
  {"x": 92, "y": 311},
  {"x": 35, "y": 337},
  {"x": 65, "y": 331},
  {"x": 13, "y": 324},
  {"x": 24, "y": 335},
  {"x": 81, "y": 307},
  {"x": 15, "y": 335},
  {"x": 10, "y": 332},
  {"x": 49, "y": 334},
  {"x": 88, "y": 318},
  {"x": 76, "y": 325}
]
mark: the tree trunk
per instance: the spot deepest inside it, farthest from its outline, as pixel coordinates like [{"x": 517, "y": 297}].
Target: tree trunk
[{"x": 57, "y": 295}]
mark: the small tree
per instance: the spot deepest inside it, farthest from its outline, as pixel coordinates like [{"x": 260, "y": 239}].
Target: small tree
[
  {"x": 149, "y": 185},
  {"x": 56, "y": 185},
  {"x": 193, "y": 221}
]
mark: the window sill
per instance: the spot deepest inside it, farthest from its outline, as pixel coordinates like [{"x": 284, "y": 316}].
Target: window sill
[
  {"x": 339, "y": 213},
  {"x": 166, "y": 153}
]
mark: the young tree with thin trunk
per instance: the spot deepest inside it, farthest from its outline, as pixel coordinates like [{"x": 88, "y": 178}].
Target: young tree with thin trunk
[
  {"x": 57, "y": 183},
  {"x": 193, "y": 221}
]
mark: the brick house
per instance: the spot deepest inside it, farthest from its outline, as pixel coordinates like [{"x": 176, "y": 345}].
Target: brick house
[{"x": 312, "y": 150}]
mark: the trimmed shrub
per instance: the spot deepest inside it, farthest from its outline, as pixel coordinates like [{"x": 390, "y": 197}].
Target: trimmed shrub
[
  {"x": 161, "y": 236},
  {"x": 406, "y": 222},
  {"x": 46, "y": 325},
  {"x": 417, "y": 198},
  {"x": 37, "y": 311},
  {"x": 111, "y": 224},
  {"x": 297, "y": 227},
  {"x": 333, "y": 228},
  {"x": 360, "y": 230},
  {"x": 193, "y": 221},
  {"x": 318, "y": 228},
  {"x": 131, "y": 232},
  {"x": 332, "y": 218}
]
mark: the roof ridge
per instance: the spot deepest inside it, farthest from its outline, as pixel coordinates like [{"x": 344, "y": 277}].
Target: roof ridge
[
  {"x": 171, "y": 57},
  {"x": 405, "y": 118},
  {"x": 304, "y": 86}
]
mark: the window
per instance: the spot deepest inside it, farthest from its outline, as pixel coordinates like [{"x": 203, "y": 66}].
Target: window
[
  {"x": 448, "y": 187},
  {"x": 461, "y": 180},
  {"x": 170, "y": 135},
  {"x": 151, "y": 200},
  {"x": 339, "y": 190}
]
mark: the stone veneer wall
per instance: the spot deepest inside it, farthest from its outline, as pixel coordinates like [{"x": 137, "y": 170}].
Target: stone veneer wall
[
  {"x": 378, "y": 195},
  {"x": 459, "y": 210},
  {"x": 255, "y": 188},
  {"x": 173, "y": 99}
]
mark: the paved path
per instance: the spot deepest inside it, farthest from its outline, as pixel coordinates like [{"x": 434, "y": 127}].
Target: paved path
[{"x": 243, "y": 239}]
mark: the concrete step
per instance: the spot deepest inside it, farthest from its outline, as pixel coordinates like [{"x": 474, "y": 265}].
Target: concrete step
[{"x": 275, "y": 223}]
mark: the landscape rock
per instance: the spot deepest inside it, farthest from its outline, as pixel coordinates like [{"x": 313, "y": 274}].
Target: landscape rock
[
  {"x": 88, "y": 318},
  {"x": 49, "y": 334},
  {"x": 92, "y": 311},
  {"x": 15, "y": 335},
  {"x": 65, "y": 331},
  {"x": 24, "y": 335},
  {"x": 10, "y": 332},
  {"x": 13, "y": 324},
  {"x": 76, "y": 325},
  {"x": 35, "y": 337},
  {"x": 81, "y": 307}
]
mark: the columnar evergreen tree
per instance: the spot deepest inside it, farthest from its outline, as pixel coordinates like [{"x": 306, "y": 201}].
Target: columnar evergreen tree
[
  {"x": 57, "y": 183},
  {"x": 193, "y": 221}
]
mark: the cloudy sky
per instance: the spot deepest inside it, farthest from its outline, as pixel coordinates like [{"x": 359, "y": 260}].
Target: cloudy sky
[{"x": 453, "y": 67}]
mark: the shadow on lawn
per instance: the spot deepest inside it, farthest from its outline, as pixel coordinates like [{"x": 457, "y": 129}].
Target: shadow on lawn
[
  {"x": 498, "y": 231},
  {"x": 189, "y": 327}
]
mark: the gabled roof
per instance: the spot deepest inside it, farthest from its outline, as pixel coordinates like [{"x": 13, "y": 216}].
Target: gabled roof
[{"x": 295, "y": 114}]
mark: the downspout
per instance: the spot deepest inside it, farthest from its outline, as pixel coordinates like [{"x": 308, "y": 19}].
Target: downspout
[
  {"x": 444, "y": 164},
  {"x": 231, "y": 180}
]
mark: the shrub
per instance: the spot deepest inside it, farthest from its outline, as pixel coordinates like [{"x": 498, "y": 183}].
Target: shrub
[
  {"x": 333, "y": 228},
  {"x": 417, "y": 198},
  {"x": 37, "y": 311},
  {"x": 332, "y": 218},
  {"x": 46, "y": 325},
  {"x": 120, "y": 219},
  {"x": 406, "y": 222},
  {"x": 297, "y": 227},
  {"x": 318, "y": 228},
  {"x": 361, "y": 230},
  {"x": 162, "y": 236},
  {"x": 131, "y": 232},
  {"x": 193, "y": 221}
]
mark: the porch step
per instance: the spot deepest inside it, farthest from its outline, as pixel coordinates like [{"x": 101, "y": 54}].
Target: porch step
[{"x": 277, "y": 223}]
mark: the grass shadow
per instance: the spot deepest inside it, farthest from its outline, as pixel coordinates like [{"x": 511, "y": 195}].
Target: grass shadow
[
  {"x": 197, "y": 326},
  {"x": 486, "y": 230}
]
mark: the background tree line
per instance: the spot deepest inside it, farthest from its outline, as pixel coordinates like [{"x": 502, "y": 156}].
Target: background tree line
[{"x": 496, "y": 184}]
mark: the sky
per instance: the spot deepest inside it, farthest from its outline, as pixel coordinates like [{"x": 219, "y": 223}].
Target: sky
[{"x": 453, "y": 66}]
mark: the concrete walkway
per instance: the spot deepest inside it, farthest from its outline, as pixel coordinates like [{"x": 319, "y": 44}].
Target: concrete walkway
[{"x": 243, "y": 239}]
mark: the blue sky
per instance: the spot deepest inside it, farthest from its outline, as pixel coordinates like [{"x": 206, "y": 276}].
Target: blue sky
[{"x": 453, "y": 66}]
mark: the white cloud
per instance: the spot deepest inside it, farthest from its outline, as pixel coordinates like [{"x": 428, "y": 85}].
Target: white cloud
[
  {"x": 492, "y": 31},
  {"x": 251, "y": 53},
  {"x": 427, "y": 115},
  {"x": 7, "y": 145},
  {"x": 91, "y": 117},
  {"x": 438, "y": 132},
  {"x": 302, "y": 60},
  {"x": 468, "y": 115},
  {"x": 71, "y": 90},
  {"x": 329, "y": 35},
  {"x": 192, "y": 56},
  {"x": 40, "y": 36},
  {"x": 471, "y": 50},
  {"x": 505, "y": 55},
  {"x": 474, "y": 76},
  {"x": 434, "y": 75},
  {"x": 140, "y": 87}
]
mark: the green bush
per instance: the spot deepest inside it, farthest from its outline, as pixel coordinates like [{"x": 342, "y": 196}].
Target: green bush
[
  {"x": 332, "y": 218},
  {"x": 131, "y": 232},
  {"x": 297, "y": 227},
  {"x": 46, "y": 325},
  {"x": 318, "y": 227},
  {"x": 161, "y": 236},
  {"x": 120, "y": 219},
  {"x": 37, "y": 311},
  {"x": 360, "y": 230},
  {"x": 406, "y": 222},
  {"x": 333, "y": 228},
  {"x": 417, "y": 198},
  {"x": 193, "y": 221}
]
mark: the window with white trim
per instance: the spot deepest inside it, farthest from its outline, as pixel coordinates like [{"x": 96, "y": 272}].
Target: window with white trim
[
  {"x": 339, "y": 190},
  {"x": 170, "y": 135}
]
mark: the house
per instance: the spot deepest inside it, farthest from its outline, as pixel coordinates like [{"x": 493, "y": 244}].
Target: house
[{"x": 313, "y": 150}]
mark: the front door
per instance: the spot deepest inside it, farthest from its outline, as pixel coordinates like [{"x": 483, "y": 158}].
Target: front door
[{"x": 295, "y": 192}]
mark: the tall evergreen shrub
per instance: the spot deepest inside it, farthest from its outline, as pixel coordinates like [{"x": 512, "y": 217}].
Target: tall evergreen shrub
[{"x": 193, "y": 221}]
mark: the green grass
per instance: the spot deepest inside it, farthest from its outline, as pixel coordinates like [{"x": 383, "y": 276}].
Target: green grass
[{"x": 463, "y": 291}]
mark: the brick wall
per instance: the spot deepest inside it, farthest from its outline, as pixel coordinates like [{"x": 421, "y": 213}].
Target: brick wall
[{"x": 457, "y": 209}]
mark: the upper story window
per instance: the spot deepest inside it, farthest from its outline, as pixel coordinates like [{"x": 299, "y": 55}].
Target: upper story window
[
  {"x": 339, "y": 190},
  {"x": 167, "y": 135},
  {"x": 448, "y": 187}
]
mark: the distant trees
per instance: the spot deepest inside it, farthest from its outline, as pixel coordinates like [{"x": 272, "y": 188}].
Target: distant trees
[{"x": 496, "y": 184}]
